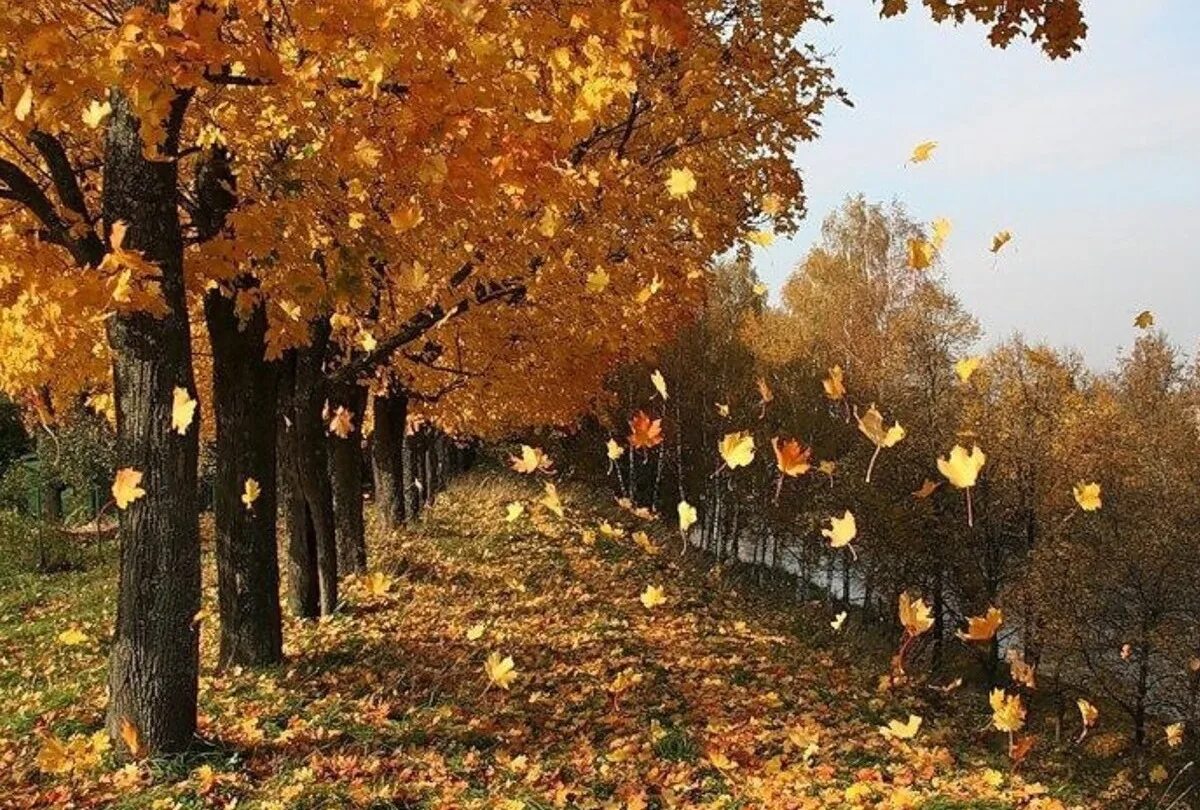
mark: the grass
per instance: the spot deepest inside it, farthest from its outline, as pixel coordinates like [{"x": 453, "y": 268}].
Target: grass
[{"x": 709, "y": 700}]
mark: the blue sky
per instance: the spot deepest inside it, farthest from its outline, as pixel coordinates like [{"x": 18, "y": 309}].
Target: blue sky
[{"x": 1092, "y": 163}]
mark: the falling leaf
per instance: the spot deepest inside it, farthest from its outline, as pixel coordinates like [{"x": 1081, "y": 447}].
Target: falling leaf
[
  {"x": 838, "y": 621},
  {"x": 871, "y": 425},
  {"x": 613, "y": 450},
  {"x": 644, "y": 432},
  {"x": 660, "y": 383},
  {"x": 1000, "y": 240},
  {"x": 792, "y": 458},
  {"x": 765, "y": 395},
  {"x": 250, "y": 493},
  {"x": 183, "y": 411},
  {"x": 1144, "y": 320},
  {"x": 759, "y": 288},
  {"x": 514, "y": 511},
  {"x": 1087, "y": 495},
  {"x": 551, "y": 501},
  {"x": 687, "y": 516},
  {"x": 1158, "y": 774},
  {"x": 967, "y": 366},
  {"x": 500, "y": 671},
  {"x": 71, "y": 637},
  {"x": 835, "y": 389},
  {"x": 922, "y": 152},
  {"x": 531, "y": 460},
  {"x": 95, "y": 113},
  {"x": 915, "y": 615},
  {"x": 24, "y": 104},
  {"x": 842, "y": 530},
  {"x": 760, "y": 238},
  {"x": 1088, "y": 713},
  {"x": 681, "y": 183},
  {"x": 126, "y": 487},
  {"x": 941, "y": 232},
  {"x": 722, "y": 409},
  {"x": 1007, "y": 712},
  {"x": 928, "y": 487},
  {"x": 902, "y": 731},
  {"x": 920, "y": 254},
  {"x": 342, "y": 422},
  {"x": 737, "y": 449},
  {"x": 962, "y": 468},
  {"x": 1022, "y": 672},
  {"x": 652, "y": 597},
  {"x": 982, "y": 628},
  {"x": 1174, "y": 734}
]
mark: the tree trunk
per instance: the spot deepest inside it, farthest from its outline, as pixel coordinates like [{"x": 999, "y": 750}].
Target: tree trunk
[
  {"x": 345, "y": 470},
  {"x": 244, "y": 392},
  {"x": 304, "y": 592},
  {"x": 409, "y": 475},
  {"x": 312, "y": 459},
  {"x": 154, "y": 660},
  {"x": 387, "y": 458}
]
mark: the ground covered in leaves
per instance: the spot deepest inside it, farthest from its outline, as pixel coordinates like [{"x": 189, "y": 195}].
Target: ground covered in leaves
[{"x": 711, "y": 698}]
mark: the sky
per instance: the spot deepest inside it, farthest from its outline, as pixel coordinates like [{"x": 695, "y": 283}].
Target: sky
[{"x": 1093, "y": 164}]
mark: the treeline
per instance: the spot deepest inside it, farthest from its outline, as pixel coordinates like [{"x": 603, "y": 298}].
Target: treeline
[{"x": 1101, "y": 602}]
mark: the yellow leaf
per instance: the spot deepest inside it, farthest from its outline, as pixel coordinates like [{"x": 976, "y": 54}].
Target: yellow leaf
[
  {"x": 737, "y": 449},
  {"x": 772, "y": 204},
  {"x": 1007, "y": 712},
  {"x": 1000, "y": 240},
  {"x": 941, "y": 232},
  {"x": 377, "y": 583},
  {"x": 838, "y": 621},
  {"x": 475, "y": 632},
  {"x": 871, "y": 425},
  {"x": 835, "y": 389},
  {"x": 760, "y": 238},
  {"x": 406, "y": 218},
  {"x": 660, "y": 383},
  {"x": 842, "y": 530},
  {"x": 922, "y": 152},
  {"x": 613, "y": 450},
  {"x": 550, "y": 500},
  {"x": 71, "y": 637},
  {"x": 532, "y": 460},
  {"x": 342, "y": 422},
  {"x": 1158, "y": 774},
  {"x": 1144, "y": 320},
  {"x": 53, "y": 757},
  {"x": 967, "y": 366},
  {"x": 183, "y": 411},
  {"x": 500, "y": 671},
  {"x": 597, "y": 280},
  {"x": 126, "y": 487},
  {"x": 653, "y": 596},
  {"x": 1088, "y": 713},
  {"x": 687, "y": 516},
  {"x": 681, "y": 183},
  {"x": 982, "y": 628},
  {"x": 915, "y": 615},
  {"x": 1174, "y": 734},
  {"x": 962, "y": 468},
  {"x": 95, "y": 113},
  {"x": 513, "y": 511},
  {"x": 902, "y": 731},
  {"x": 24, "y": 104},
  {"x": 920, "y": 254},
  {"x": 250, "y": 492},
  {"x": 1087, "y": 495},
  {"x": 722, "y": 409}
]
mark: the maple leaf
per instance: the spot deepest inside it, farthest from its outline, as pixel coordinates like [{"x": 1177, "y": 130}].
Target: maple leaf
[
  {"x": 838, "y": 621},
  {"x": 597, "y": 281},
  {"x": 52, "y": 757},
  {"x": 915, "y": 615},
  {"x": 95, "y": 113},
  {"x": 736, "y": 449},
  {"x": 967, "y": 366},
  {"x": 1174, "y": 735},
  {"x": 1021, "y": 671},
  {"x": 681, "y": 183},
  {"x": 687, "y": 516},
  {"x": 126, "y": 487},
  {"x": 660, "y": 383},
  {"x": 613, "y": 450},
  {"x": 835, "y": 389},
  {"x": 901, "y": 731},
  {"x": 982, "y": 628},
  {"x": 962, "y": 468},
  {"x": 72, "y": 636},
  {"x": 377, "y": 583},
  {"x": 1000, "y": 240},
  {"x": 513, "y": 511},
  {"x": 842, "y": 530},
  {"x": 500, "y": 671},
  {"x": 250, "y": 492},
  {"x": 922, "y": 152},
  {"x": 342, "y": 422},
  {"x": 791, "y": 457},
  {"x": 644, "y": 432},
  {"x": 551, "y": 501},
  {"x": 1088, "y": 713},
  {"x": 652, "y": 597},
  {"x": 1007, "y": 712},
  {"x": 941, "y": 232},
  {"x": 920, "y": 254},
  {"x": 531, "y": 460},
  {"x": 1087, "y": 495},
  {"x": 1144, "y": 319}
]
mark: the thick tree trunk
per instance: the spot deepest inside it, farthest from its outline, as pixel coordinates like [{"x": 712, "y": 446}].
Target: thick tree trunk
[
  {"x": 154, "y": 662},
  {"x": 244, "y": 392},
  {"x": 312, "y": 460},
  {"x": 346, "y": 472},
  {"x": 387, "y": 458},
  {"x": 304, "y": 592}
]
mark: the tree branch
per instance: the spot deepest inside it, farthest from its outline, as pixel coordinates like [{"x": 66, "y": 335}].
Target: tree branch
[{"x": 22, "y": 189}]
